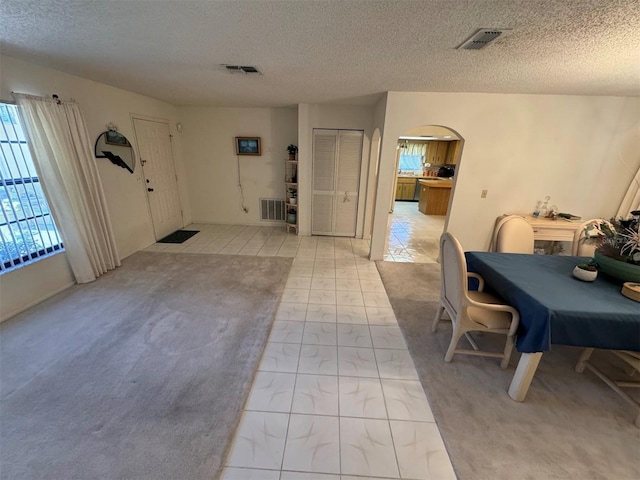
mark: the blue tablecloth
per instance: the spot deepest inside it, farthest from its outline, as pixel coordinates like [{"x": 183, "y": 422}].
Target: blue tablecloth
[{"x": 557, "y": 308}]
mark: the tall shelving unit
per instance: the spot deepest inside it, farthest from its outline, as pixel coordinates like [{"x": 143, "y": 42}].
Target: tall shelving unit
[{"x": 291, "y": 197}]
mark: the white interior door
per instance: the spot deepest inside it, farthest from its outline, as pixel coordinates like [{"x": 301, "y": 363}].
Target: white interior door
[
  {"x": 159, "y": 172},
  {"x": 337, "y": 156}
]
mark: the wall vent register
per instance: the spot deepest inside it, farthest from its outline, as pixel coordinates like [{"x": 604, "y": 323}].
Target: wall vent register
[
  {"x": 271, "y": 209},
  {"x": 241, "y": 69}
]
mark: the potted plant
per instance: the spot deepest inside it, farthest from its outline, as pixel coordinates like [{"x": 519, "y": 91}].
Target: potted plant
[
  {"x": 291, "y": 215},
  {"x": 293, "y": 194},
  {"x": 617, "y": 247},
  {"x": 586, "y": 272},
  {"x": 292, "y": 149}
]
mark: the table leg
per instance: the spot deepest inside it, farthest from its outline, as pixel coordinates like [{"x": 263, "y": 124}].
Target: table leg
[{"x": 525, "y": 371}]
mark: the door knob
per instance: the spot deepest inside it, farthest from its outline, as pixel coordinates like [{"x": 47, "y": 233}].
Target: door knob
[{"x": 149, "y": 189}]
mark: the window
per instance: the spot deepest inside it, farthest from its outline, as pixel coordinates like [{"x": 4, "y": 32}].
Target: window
[
  {"x": 411, "y": 162},
  {"x": 27, "y": 229},
  {"x": 412, "y": 156}
]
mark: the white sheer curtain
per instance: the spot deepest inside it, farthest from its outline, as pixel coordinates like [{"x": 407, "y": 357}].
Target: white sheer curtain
[
  {"x": 412, "y": 155},
  {"x": 631, "y": 200},
  {"x": 63, "y": 156},
  {"x": 415, "y": 148}
]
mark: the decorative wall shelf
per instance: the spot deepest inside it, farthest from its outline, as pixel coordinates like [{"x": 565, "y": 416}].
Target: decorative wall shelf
[{"x": 291, "y": 196}]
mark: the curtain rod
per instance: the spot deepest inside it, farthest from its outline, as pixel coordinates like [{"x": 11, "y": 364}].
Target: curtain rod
[{"x": 53, "y": 97}]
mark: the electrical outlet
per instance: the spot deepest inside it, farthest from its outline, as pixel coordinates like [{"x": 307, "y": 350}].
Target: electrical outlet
[{"x": 483, "y": 194}]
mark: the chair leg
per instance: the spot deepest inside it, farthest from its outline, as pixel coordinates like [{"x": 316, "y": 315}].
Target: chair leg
[
  {"x": 455, "y": 338},
  {"x": 508, "y": 348},
  {"x": 437, "y": 318},
  {"x": 584, "y": 358}
]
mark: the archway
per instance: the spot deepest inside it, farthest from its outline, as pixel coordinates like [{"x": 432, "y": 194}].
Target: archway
[{"x": 419, "y": 212}]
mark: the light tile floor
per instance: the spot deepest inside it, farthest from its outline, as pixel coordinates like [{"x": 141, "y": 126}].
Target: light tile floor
[
  {"x": 413, "y": 236},
  {"x": 336, "y": 395}
]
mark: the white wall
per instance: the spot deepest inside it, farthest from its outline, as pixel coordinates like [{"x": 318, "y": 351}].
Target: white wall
[
  {"x": 374, "y": 167},
  {"x": 582, "y": 151},
  {"x": 125, "y": 193},
  {"x": 32, "y": 283},
  {"x": 332, "y": 117},
  {"x": 211, "y": 164}
]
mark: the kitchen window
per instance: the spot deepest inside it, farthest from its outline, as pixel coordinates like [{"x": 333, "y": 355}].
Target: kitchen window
[
  {"x": 411, "y": 163},
  {"x": 27, "y": 229},
  {"x": 412, "y": 156}
]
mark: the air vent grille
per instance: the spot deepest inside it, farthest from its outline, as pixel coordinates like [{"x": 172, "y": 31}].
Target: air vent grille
[
  {"x": 271, "y": 209},
  {"x": 241, "y": 69},
  {"x": 483, "y": 38}
]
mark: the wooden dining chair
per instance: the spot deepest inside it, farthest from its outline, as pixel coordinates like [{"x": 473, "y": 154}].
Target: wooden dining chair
[
  {"x": 512, "y": 234},
  {"x": 471, "y": 310},
  {"x": 632, "y": 363}
]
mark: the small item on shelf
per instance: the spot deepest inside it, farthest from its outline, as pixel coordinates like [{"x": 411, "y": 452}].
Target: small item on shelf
[
  {"x": 291, "y": 215},
  {"x": 292, "y": 150},
  {"x": 544, "y": 209},
  {"x": 569, "y": 216},
  {"x": 536, "y": 211}
]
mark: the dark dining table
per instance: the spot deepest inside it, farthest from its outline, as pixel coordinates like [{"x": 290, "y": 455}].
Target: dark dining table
[{"x": 556, "y": 308}]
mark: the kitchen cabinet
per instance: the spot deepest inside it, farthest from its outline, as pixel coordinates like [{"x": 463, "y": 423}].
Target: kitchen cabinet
[
  {"x": 405, "y": 188},
  {"x": 437, "y": 152},
  {"x": 452, "y": 152}
]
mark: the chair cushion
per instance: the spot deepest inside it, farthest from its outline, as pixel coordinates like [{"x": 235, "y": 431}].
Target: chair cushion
[{"x": 488, "y": 318}]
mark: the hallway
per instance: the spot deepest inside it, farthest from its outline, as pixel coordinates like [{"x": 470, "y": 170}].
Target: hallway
[{"x": 336, "y": 395}]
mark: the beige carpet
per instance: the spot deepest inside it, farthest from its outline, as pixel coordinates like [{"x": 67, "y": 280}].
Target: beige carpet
[
  {"x": 141, "y": 374},
  {"x": 571, "y": 426}
]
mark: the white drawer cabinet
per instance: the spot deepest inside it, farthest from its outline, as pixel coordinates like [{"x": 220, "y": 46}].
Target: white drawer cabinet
[{"x": 557, "y": 230}]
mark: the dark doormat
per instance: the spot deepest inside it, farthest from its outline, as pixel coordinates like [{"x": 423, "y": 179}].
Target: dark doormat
[{"x": 178, "y": 236}]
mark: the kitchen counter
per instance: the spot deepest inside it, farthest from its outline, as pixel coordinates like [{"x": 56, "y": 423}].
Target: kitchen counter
[
  {"x": 434, "y": 195},
  {"x": 436, "y": 182}
]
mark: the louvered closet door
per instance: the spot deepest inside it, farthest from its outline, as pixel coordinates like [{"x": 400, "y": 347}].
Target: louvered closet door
[
  {"x": 325, "y": 144},
  {"x": 336, "y": 176}
]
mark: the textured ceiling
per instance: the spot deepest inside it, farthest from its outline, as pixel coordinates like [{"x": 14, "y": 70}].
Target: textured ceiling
[{"x": 331, "y": 51}]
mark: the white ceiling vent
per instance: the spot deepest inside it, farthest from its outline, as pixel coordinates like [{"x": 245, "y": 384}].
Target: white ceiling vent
[
  {"x": 241, "y": 69},
  {"x": 483, "y": 38}
]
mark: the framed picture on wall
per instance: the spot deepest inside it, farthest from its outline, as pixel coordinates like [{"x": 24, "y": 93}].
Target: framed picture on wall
[{"x": 248, "y": 146}]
